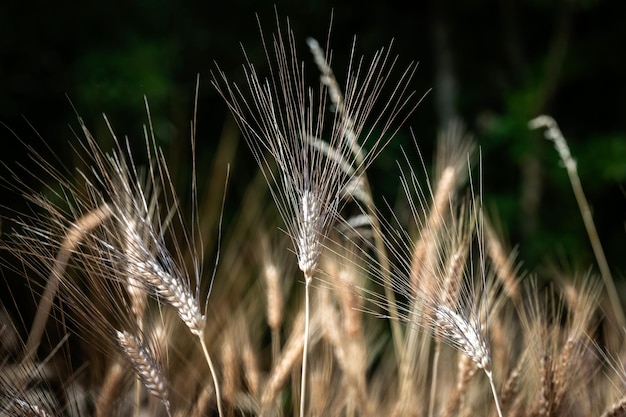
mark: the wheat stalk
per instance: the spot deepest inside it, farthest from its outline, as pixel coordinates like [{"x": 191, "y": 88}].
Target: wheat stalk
[{"x": 554, "y": 134}]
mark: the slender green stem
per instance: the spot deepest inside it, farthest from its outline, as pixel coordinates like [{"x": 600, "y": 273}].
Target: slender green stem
[{"x": 213, "y": 374}]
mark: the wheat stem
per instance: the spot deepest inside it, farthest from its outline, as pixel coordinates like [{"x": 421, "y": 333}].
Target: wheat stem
[
  {"x": 213, "y": 373},
  {"x": 433, "y": 380},
  {"x": 554, "y": 134},
  {"x": 305, "y": 350},
  {"x": 493, "y": 391}
]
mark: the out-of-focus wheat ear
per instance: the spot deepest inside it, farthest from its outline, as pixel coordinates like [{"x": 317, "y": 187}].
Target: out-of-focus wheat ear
[
  {"x": 511, "y": 387},
  {"x": 289, "y": 357},
  {"x": 424, "y": 254},
  {"x": 571, "y": 372},
  {"x": 251, "y": 369},
  {"x": 423, "y": 279},
  {"x": 322, "y": 390},
  {"x": 231, "y": 374},
  {"x": 502, "y": 263},
  {"x": 275, "y": 304},
  {"x": 75, "y": 234},
  {"x": 202, "y": 405},
  {"x": 349, "y": 353},
  {"x": 145, "y": 366},
  {"x": 553, "y": 133},
  {"x": 287, "y": 362},
  {"x": 110, "y": 391},
  {"x": 135, "y": 288},
  {"x": 466, "y": 368},
  {"x": 351, "y": 304},
  {"x": 616, "y": 410},
  {"x": 454, "y": 150},
  {"x": 544, "y": 405}
]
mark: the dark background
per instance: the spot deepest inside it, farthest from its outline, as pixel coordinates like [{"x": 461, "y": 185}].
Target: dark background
[{"x": 495, "y": 64}]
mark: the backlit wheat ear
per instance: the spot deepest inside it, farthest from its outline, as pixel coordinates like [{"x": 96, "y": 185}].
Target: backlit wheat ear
[
  {"x": 283, "y": 117},
  {"x": 469, "y": 339},
  {"x": 146, "y": 367}
]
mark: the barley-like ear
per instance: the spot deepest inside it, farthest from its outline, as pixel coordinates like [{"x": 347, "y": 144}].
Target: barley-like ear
[
  {"x": 466, "y": 336},
  {"x": 283, "y": 117},
  {"x": 146, "y": 366}
]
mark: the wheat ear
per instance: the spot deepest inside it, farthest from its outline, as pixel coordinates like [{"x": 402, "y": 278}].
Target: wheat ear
[
  {"x": 275, "y": 305},
  {"x": 336, "y": 96},
  {"x": 469, "y": 340},
  {"x": 146, "y": 367}
]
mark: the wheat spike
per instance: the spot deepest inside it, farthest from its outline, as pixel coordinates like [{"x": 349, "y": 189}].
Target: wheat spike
[{"x": 145, "y": 365}]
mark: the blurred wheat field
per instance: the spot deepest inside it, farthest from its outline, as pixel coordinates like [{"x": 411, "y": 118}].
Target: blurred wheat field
[{"x": 313, "y": 301}]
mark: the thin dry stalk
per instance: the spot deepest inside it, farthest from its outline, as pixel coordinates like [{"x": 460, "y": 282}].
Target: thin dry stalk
[
  {"x": 554, "y": 134},
  {"x": 216, "y": 385},
  {"x": 251, "y": 367}
]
